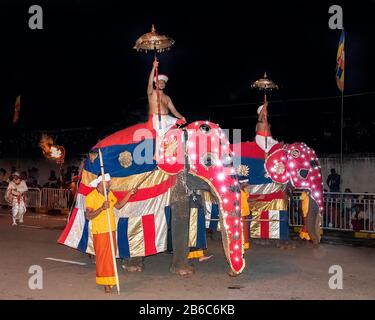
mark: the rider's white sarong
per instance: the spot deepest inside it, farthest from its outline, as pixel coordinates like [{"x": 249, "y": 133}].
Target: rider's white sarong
[
  {"x": 166, "y": 123},
  {"x": 261, "y": 142}
]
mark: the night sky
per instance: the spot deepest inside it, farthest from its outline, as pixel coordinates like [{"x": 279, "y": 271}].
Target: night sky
[{"x": 81, "y": 70}]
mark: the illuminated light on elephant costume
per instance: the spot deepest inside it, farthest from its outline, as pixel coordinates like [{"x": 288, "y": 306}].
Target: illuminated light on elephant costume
[
  {"x": 194, "y": 158},
  {"x": 285, "y": 167},
  {"x": 298, "y": 165}
]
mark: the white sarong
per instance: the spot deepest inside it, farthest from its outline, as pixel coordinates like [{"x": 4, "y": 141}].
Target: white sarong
[
  {"x": 166, "y": 122},
  {"x": 261, "y": 142}
]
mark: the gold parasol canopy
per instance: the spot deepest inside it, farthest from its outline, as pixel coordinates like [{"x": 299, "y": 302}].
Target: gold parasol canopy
[
  {"x": 265, "y": 84},
  {"x": 153, "y": 41}
]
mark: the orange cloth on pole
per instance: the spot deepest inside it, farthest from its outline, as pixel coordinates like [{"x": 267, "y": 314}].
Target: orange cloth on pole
[
  {"x": 105, "y": 271},
  {"x": 305, "y": 203},
  {"x": 245, "y": 210}
]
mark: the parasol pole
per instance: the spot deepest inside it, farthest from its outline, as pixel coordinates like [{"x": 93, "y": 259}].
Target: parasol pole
[
  {"x": 265, "y": 101},
  {"x": 157, "y": 88},
  {"x": 341, "y": 133},
  {"x": 265, "y": 84},
  {"x": 109, "y": 223}
]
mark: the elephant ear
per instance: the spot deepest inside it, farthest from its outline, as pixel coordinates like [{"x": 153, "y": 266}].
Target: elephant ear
[
  {"x": 276, "y": 166},
  {"x": 171, "y": 159}
]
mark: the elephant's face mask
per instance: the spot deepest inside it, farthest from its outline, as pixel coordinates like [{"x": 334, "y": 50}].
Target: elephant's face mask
[
  {"x": 298, "y": 164},
  {"x": 207, "y": 154}
]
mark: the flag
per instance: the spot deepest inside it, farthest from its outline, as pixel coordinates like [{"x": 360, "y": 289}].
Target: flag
[
  {"x": 17, "y": 109},
  {"x": 268, "y": 206},
  {"x": 340, "y": 63},
  {"x": 142, "y": 224}
]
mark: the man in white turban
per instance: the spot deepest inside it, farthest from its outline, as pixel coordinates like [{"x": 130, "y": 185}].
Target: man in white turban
[
  {"x": 96, "y": 212},
  {"x": 166, "y": 106},
  {"x": 263, "y": 136}
]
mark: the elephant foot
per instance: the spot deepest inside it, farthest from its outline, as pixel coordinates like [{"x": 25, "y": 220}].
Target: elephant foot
[
  {"x": 183, "y": 271},
  {"x": 133, "y": 268},
  {"x": 133, "y": 265}
]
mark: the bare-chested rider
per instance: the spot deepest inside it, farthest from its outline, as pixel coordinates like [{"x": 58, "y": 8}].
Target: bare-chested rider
[
  {"x": 263, "y": 136},
  {"x": 166, "y": 104}
]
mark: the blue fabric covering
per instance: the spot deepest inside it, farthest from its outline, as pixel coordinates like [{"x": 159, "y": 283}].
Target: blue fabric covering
[
  {"x": 122, "y": 236},
  {"x": 284, "y": 225},
  {"x": 214, "y": 215},
  {"x": 82, "y": 246},
  {"x": 256, "y": 170},
  {"x": 111, "y": 159}
]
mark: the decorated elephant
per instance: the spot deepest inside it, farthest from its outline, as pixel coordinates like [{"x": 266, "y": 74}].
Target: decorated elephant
[
  {"x": 197, "y": 157},
  {"x": 285, "y": 167}
]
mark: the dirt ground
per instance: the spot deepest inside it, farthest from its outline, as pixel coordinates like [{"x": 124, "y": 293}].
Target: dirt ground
[{"x": 270, "y": 273}]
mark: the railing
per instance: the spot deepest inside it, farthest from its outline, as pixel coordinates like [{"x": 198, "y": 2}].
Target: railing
[
  {"x": 42, "y": 198},
  {"x": 342, "y": 211},
  {"x": 54, "y": 198},
  {"x": 33, "y": 197}
]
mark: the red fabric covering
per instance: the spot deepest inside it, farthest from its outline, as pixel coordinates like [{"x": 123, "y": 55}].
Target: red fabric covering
[
  {"x": 126, "y": 136},
  {"x": 148, "y": 223},
  {"x": 66, "y": 231}
]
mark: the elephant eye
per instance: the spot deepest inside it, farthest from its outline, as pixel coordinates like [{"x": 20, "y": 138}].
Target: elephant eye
[
  {"x": 209, "y": 160},
  {"x": 205, "y": 128},
  {"x": 303, "y": 173},
  {"x": 295, "y": 153}
]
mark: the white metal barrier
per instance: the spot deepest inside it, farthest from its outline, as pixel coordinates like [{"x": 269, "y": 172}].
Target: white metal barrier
[
  {"x": 342, "y": 211},
  {"x": 46, "y": 198},
  {"x": 33, "y": 197},
  {"x": 54, "y": 198}
]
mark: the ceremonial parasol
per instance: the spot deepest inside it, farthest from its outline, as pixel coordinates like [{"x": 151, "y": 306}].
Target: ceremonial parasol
[
  {"x": 153, "y": 41},
  {"x": 265, "y": 84}
]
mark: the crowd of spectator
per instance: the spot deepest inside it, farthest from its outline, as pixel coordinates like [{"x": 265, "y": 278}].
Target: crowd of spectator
[{"x": 58, "y": 180}]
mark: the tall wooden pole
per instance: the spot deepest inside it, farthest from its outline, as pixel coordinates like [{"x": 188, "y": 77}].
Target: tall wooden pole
[
  {"x": 341, "y": 133},
  {"x": 265, "y": 101},
  {"x": 157, "y": 88},
  {"x": 109, "y": 223}
]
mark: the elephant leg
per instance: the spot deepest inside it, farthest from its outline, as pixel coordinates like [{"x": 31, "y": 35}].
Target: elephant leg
[
  {"x": 135, "y": 264},
  {"x": 313, "y": 222},
  {"x": 180, "y": 229}
]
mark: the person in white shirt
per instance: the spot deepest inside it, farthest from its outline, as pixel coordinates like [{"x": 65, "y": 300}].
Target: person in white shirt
[{"x": 16, "y": 197}]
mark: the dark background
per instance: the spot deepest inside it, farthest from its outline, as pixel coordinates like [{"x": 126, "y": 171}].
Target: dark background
[{"x": 81, "y": 71}]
